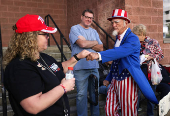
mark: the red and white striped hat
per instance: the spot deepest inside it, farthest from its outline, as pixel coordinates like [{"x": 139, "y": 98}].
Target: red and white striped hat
[
  {"x": 119, "y": 14},
  {"x": 30, "y": 23}
]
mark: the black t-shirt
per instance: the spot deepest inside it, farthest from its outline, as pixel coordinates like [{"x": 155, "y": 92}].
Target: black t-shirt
[
  {"x": 25, "y": 78},
  {"x": 165, "y": 75}
]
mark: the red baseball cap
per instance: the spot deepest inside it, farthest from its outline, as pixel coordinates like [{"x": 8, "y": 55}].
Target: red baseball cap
[
  {"x": 30, "y": 23},
  {"x": 119, "y": 14}
]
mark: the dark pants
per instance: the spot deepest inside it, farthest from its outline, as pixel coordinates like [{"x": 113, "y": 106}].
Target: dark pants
[
  {"x": 150, "y": 105},
  {"x": 164, "y": 89}
]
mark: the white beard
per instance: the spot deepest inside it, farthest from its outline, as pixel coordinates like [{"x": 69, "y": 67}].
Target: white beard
[{"x": 114, "y": 33}]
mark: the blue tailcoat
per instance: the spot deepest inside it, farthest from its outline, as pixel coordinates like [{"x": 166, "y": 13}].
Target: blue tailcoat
[{"x": 128, "y": 54}]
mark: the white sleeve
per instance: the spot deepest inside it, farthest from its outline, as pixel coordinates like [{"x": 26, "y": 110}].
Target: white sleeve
[{"x": 100, "y": 58}]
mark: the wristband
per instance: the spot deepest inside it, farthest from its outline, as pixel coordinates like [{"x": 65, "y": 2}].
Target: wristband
[
  {"x": 75, "y": 56},
  {"x": 63, "y": 88}
]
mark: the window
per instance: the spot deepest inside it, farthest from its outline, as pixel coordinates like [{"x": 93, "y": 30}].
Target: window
[
  {"x": 166, "y": 19},
  {"x": 166, "y": 12}
]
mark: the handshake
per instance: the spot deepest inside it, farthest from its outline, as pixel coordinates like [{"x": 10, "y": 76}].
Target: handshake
[
  {"x": 92, "y": 56},
  {"x": 88, "y": 55}
]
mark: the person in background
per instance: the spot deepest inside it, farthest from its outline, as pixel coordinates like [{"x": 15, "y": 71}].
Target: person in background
[
  {"x": 151, "y": 49},
  {"x": 82, "y": 36},
  {"x": 104, "y": 70},
  {"x": 36, "y": 81}
]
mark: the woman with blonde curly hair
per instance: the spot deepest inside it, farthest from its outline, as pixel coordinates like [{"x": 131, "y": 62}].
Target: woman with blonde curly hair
[
  {"x": 150, "y": 49},
  {"x": 35, "y": 81}
]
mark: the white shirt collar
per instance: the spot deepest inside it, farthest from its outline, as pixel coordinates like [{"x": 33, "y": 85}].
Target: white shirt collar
[
  {"x": 122, "y": 35},
  {"x": 117, "y": 44}
]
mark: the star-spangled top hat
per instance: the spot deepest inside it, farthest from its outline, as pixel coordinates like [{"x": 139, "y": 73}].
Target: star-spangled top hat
[{"x": 119, "y": 14}]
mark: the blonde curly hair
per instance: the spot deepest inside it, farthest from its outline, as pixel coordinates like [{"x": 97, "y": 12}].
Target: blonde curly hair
[
  {"x": 22, "y": 44},
  {"x": 139, "y": 30}
]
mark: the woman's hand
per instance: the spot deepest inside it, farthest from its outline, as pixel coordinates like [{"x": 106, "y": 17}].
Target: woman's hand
[
  {"x": 83, "y": 54},
  {"x": 68, "y": 84},
  {"x": 148, "y": 58},
  {"x": 72, "y": 61}
]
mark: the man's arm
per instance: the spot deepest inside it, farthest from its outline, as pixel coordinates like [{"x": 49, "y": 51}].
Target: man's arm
[
  {"x": 98, "y": 47},
  {"x": 83, "y": 43},
  {"x": 126, "y": 49}
]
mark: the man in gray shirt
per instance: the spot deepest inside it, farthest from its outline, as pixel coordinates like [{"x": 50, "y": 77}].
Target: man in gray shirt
[{"x": 82, "y": 36}]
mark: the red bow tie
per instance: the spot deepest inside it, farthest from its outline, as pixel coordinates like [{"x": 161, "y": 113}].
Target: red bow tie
[{"x": 118, "y": 37}]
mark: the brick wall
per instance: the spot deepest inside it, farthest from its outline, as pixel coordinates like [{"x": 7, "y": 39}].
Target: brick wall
[{"x": 12, "y": 10}]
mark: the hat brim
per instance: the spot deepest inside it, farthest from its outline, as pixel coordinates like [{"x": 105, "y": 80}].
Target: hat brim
[
  {"x": 110, "y": 19},
  {"x": 49, "y": 30}
]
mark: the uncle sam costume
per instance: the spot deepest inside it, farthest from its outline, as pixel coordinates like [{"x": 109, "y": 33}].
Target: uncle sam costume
[{"x": 125, "y": 75}]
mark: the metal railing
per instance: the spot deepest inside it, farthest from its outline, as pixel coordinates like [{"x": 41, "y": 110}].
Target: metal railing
[
  {"x": 4, "y": 101},
  {"x": 47, "y": 17},
  {"x": 107, "y": 36}
]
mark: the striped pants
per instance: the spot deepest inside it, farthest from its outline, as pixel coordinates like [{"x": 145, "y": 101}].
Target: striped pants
[{"x": 122, "y": 95}]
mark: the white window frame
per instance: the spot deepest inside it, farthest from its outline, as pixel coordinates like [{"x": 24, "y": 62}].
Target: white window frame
[{"x": 166, "y": 20}]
